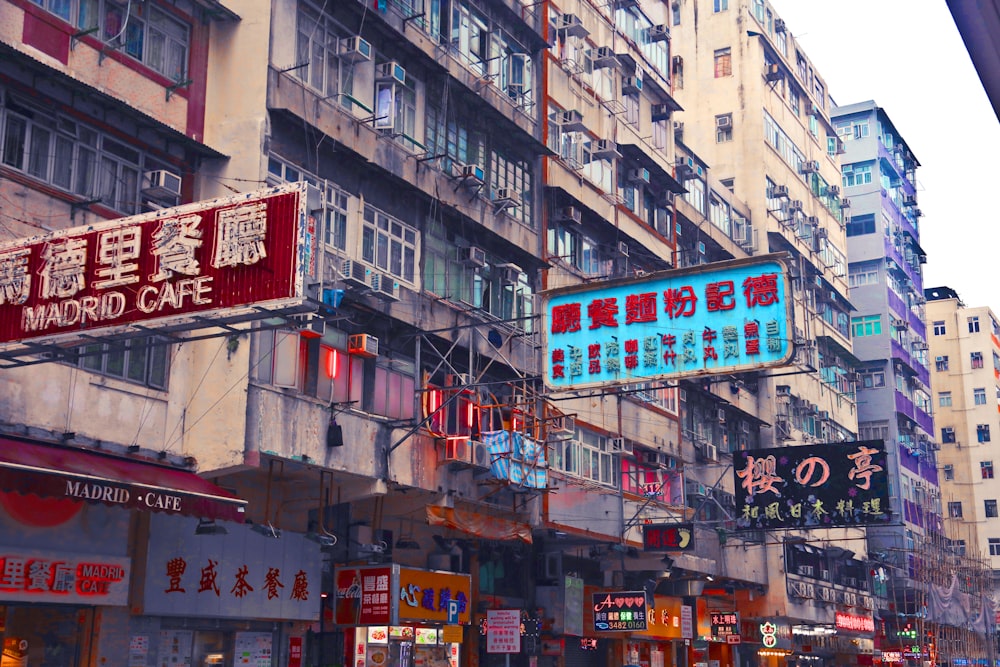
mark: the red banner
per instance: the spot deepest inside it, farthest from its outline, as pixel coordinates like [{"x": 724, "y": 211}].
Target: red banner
[
  {"x": 150, "y": 268},
  {"x": 363, "y": 596}
]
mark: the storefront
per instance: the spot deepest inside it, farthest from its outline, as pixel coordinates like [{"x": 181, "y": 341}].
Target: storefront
[
  {"x": 68, "y": 521},
  {"x": 401, "y": 616}
]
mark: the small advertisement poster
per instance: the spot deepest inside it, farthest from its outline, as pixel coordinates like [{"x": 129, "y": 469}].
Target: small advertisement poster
[
  {"x": 253, "y": 649},
  {"x": 503, "y": 631},
  {"x": 138, "y": 650},
  {"x": 175, "y": 648}
]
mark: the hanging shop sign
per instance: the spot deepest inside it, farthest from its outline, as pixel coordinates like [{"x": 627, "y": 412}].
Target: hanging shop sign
[
  {"x": 668, "y": 537},
  {"x": 240, "y": 574},
  {"x": 812, "y": 486},
  {"x": 619, "y": 611},
  {"x": 725, "y": 623},
  {"x": 854, "y": 622},
  {"x": 150, "y": 269},
  {"x": 723, "y": 317},
  {"x": 47, "y": 577},
  {"x": 395, "y": 595}
]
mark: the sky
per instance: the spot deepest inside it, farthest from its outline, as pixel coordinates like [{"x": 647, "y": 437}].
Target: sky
[{"x": 908, "y": 56}]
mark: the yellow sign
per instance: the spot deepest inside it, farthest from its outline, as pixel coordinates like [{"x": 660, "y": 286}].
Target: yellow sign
[
  {"x": 451, "y": 634},
  {"x": 424, "y": 595}
]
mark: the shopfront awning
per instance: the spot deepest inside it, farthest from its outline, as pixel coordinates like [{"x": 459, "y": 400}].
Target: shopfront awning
[
  {"x": 79, "y": 474},
  {"x": 481, "y": 525}
]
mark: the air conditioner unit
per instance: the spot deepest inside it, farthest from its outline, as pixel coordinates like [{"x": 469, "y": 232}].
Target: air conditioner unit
[
  {"x": 845, "y": 203},
  {"x": 355, "y": 273},
  {"x": 773, "y": 73},
  {"x": 385, "y": 287},
  {"x": 605, "y": 149},
  {"x": 570, "y": 214},
  {"x": 779, "y": 25},
  {"x": 355, "y": 49},
  {"x": 454, "y": 168},
  {"x": 658, "y": 33},
  {"x": 632, "y": 85},
  {"x": 711, "y": 452},
  {"x": 795, "y": 205},
  {"x": 481, "y": 457},
  {"x": 474, "y": 256},
  {"x": 805, "y": 570},
  {"x": 565, "y": 424},
  {"x": 364, "y": 345},
  {"x": 678, "y": 127},
  {"x": 833, "y": 190},
  {"x": 823, "y": 415},
  {"x": 509, "y": 274},
  {"x": 809, "y": 167},
  {"x": 621, "y": 445},
  {"x": 508, "y": 197},
  {"x": 571, "y": 25},
  {"x": 783, "y": 390},
  {"x": 723, "y": 122},
  {"x": 639, "y": 175},
  {"x": 457, "y": 450},
  {"x": 161, "y": 184},
  {"x": 780, "y": 192},
  {"x": 473, "y": 173},
  {"x": 721, "y": 415},
  {"x": 813, "y": 220},
  {"x": 390, "y": 71},
  {"x": 824, "y": 574},
  {"x": 660, "y": 112},
  {"x": 571, "y": 121},
  {"x": 604, "y": 56},
  {"x": 623, "y": 248}
]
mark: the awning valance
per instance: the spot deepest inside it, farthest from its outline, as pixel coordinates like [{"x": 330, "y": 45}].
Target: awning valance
[
  {"x": 80, "y": 474},
  {"x": 481, "y": 525}
]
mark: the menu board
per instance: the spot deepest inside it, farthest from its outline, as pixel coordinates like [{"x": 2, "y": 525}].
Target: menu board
[
  {"x": 253, "y": 649},
  {"x": 175, "y": 648}
]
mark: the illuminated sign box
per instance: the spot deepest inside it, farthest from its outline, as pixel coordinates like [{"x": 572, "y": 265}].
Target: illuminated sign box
[
  {"x": 165, "y": 266},
  {"x": 619, "y": 611},
  {"x": 723, "y": 317},
  {"x": 668, "y": 537},
  {"x": 812, "y": 486}
]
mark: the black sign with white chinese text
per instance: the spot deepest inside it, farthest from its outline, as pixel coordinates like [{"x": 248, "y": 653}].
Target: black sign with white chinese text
[
  {"x": 812, "y": 486},
  {"x": 725, "y": 623},
  {"x": 668, "y": 537}
]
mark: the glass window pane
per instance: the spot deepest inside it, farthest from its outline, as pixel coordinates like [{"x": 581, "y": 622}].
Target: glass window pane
[
  {"x": 38, "y": 158},
  {"x": 158, "y": 365},
  {"x": 379, "y": 400},
  {"x": 115, "y": 361},
  {"x": 13, "y": 141},
  {"x": 286, "y": 359},
  {"x": 62, "y": 169},
  {"x": 138, "y": 353}
]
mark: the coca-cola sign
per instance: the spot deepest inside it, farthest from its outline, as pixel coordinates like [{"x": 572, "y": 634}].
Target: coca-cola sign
[{"x": 363, "y": 595}]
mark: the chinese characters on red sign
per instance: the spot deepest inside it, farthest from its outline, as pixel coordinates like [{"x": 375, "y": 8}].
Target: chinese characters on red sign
[
  {"x": 667, "y": 537},
  {"x": 65, "y": 579},
  {"x": 193, "y": 258},
  {"x": 816, "y": 485},
  {"x": 652, "y": 328}
]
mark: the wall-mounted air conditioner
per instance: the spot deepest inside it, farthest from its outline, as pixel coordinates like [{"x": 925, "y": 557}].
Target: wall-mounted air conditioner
[
  {"x": 623, "y": 248},
  {"x": 385, "y": 286},
  {"x": 364, "y": 345},
  {"x": 833, "y": 190},
  {"x": 780, "y": 192},
  {"x": 795, "y": 205},
  {"x": 809, "y": 167},
  {"x": 658, "y": 33},
  {"x": 473, "y": 173},
  {"x": 456, "y": 450},
  {"x": 161, "y": 184},
  {"x": 509, "y": 273},
  {"x": 570, "y": 214},
  {"x": 660, "y": 112},
  {"x": 620, "y": 446},
  {"x": 355, "y": 49},
  {"x": 571, "y": 25},
  {"x": 355, "y": 273},
  {"x": 632, "y": 85},
  {"x": 773, "y": 73},
  {"x": 507, "y": 197},
  {"x": 605, "y": 149},
  {"x": 724, "y": 121},
  {"x": 604, "y": 56},
  {"x": 571, "y": 121},
  {"x": 473, "y": 256},
  {"x": 711, "y": 452},
  {"x": 390, "y": 71},
  {"x": 638, "y": 175}
]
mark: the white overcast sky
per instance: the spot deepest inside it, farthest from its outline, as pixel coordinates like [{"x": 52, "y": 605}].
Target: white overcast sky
[{"x": 907, "y": 55}]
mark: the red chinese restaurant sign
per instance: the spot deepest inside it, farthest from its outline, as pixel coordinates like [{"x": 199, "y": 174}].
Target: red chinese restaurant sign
[
  {"x": 812, "y": 486},
  {"x": 390, "y": 595},
  {"x": 723, "y": 317},
  {"x": 156, "y": 267}
]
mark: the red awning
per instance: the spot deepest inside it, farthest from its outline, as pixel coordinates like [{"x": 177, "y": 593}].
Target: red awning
[{"x": 82, "y": 474}]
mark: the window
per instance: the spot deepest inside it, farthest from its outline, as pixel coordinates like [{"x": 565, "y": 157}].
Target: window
[
  {"x": 944, "y": 399},
  {"x": 861, "y": 224},
  {"x": 976, "y": 358},
  {"x": 856, "y": 174},
  {"x": 947, "y": 434},
  {"x": 872, "y": 379},
  {"x": 979, "y": 396},
  {"x": 955, "y": 510},
  {"x": 949, "y": 472},
  {"x": 986, "y": 469},
  {"x": 388, "y": 244},
  {"x": 994, "y": 543},
  {"x": 866, "y": 325},
  {"x": 720, "y": 5},
  {"x": 587, "y": 455},
  {"x": 990, "y": 508},
  {"x": 983, "y": 432},
  {"x": 863, "y": 273},
  {"x": 723, "y": 63},
  {"x": 675, "y": 13},
  {"x": 144, "y": 361},
  {"x": 939, "y": 328},
  {"x": 941, "y": 363},
  {"x": 974, "y": 324},
  {"x": 723, "y": 128}
]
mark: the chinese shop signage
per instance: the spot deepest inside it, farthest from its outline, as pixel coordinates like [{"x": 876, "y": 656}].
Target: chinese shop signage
[
  {"x": 241, "y": 574},
  {"x": 424, "y": 595},
  {"x": 668, "y": 537},
  {"x": 723, "y": 317},
  {"x": 725, "y": 623},
  {"x": 390, "y": 595},
  {"x": 812, "y": 486},
  {"x": 617, "y": 611},
  {"x": 47, "y": 577},
  {"x": 199, "y": 258},
  {"x": 503, "y": 631},
  {"x": 854, "y": 622},
  {"x": 363, "y": 595}
]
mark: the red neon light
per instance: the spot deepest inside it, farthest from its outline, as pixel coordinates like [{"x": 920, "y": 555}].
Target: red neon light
[{"x": 332, "y": 363}]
